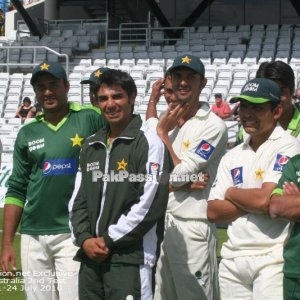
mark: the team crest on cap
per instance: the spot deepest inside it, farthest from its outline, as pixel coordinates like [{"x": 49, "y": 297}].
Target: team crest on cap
[
  {"x": 237, "y": 175},
  {"x": 98, "y": 73},
  {"x": 280, "y": 162},
  {"x": 205, "y": 149},
  {"x": 44, "y": 66},
  {"x": 186, "y": 60}
]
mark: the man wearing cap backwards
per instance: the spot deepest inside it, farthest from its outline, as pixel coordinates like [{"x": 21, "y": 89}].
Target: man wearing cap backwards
[
  {"x": 196, "y": 139},
  {"x": 45, "y": 164},
  {"x": 252, "y": 260},
  {"x": 92, "y": 81}
]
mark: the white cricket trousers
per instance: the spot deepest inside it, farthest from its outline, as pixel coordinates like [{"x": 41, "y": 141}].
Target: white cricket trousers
[
  {"x": 48, "y": 268},
  {"x": 187, "y": 266},
  {"x": 256, "y": 277}
]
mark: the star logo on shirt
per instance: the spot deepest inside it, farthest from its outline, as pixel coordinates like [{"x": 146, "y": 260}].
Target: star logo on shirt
[
  {"x": 122, "y": 165},
  {"x": 259, "y": 174},
  {"x": 186, "y": 60},
  {"x": 44, "y": 66},
  {"x": 186, "y": 144},
  {"x": 98, "y": 73},
  {"x": 77, "y": 140}
]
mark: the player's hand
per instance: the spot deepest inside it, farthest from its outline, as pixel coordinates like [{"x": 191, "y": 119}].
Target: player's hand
[
  {"x": 170, "y": 119},
  {"x": 96, "y": 249},
  {"x": 290, "y": 188},
  {"x": 201, "y": 183},
  {"x": 8, "y": 259},
  {"x": 157, "y": 90}
]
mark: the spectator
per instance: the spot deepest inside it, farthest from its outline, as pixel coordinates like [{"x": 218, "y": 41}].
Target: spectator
[
  {"x": 196, "y": 139},
  {"x": 35, "y": 111},
  {"x": 251, "y": 265},
  {"x": 24, "y": 109},
  {"x": 45, "y": 163},
  {"x": 221, "y": 107},
  {"x": 92, "y": 81},
  {"x": 119, "y": 242}
]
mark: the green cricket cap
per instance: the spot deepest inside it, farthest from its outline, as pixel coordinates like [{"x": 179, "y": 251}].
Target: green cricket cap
[
  {"x": 259, "y": 90},
  {"x": 95, "y": 76},
  {"x": 53, "y": 68},
  {"x": 189, "y": 61}
]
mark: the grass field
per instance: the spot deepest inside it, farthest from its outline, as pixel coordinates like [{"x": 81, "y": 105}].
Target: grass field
[{"x": 13, "y": 290}]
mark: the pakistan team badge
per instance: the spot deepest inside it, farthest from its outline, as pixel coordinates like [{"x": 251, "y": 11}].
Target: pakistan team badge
[
  {"x": 121, "y": 165},
  {"x": 77, "y": 140}
]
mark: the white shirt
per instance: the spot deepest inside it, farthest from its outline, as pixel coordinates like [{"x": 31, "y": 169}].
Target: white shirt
[
  {"x": 241, "y": 167},
  {"x": 200, "y": 144}
]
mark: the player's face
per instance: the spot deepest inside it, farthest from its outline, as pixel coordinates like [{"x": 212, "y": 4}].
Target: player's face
[
  {"x": 92, "y": 96},
  {"x": 51, "y": 92},
  {"x": 286, "y": 96},
  {"x": 187, "y": 85},
  {"x": 168, "y": 91},
  {"x": 259, "y": 119},
  {"x": 115, "y": 104}
]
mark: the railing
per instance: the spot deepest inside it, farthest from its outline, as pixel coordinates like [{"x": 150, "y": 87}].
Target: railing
[
  {"x": 144, "y": 34},
  {"x": 64, "y": 24},
  {"x": 9, "y": 64}
]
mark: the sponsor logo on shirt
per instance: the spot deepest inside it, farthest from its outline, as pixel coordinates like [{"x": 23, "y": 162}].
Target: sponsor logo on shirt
[
  {"x": 205, "y": 149},
  {"x": 61, "y": 166},
  {"x": 92, "y": 166},
  {"x": 237, "y": 175},
  {"x": 280, "y": 162},
  {"x": 36, "y": 144},
  {"x": 153, "y": 168}
]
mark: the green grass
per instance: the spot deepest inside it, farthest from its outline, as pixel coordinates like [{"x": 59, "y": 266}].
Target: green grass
[{"x": 13, "y": 291}]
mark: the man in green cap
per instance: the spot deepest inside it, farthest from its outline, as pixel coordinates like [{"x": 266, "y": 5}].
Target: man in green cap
[
  {"x": 196, "y": 139},
  {"x": 92, "y": 81},
  {"x": 252, "y": 260},
  {"x": 45, "y": 164}
]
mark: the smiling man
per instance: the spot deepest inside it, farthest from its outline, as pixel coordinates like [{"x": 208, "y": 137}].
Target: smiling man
[
  {"x": 118, "y": 214},
  {"x": 44, "y": 167},
  {"x": 196, "y": 139},
  {"x": 252, "y": 260}
]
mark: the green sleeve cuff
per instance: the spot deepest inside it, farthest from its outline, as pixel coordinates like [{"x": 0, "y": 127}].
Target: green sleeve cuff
[
  {"x": 108, "y": 241},
  {"x": 277, "y": 191},
  {"x": 14, "y": 201},
  {"x": 83, "y": 236}
]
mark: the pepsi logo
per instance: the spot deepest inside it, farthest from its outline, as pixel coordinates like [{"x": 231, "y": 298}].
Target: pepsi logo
[
  {"x": 205, "y": 147},
  {"x": 236, "y": 173},
  {"x": 46, "y": 167},
  {"x": 154, "y": 168},
  {"x": 282, "y": 161}
]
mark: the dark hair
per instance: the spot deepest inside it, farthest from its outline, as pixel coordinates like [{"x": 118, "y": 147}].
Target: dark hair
[
  {"x": 27, "y": 99},
  {"x": 278, "y": 70},
  {"x": 117, "y": 77},
  {"x": 218, "y": 95}
]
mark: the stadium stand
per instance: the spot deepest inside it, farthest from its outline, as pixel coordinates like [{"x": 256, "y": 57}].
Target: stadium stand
[{"x": 230, "y": 53}]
